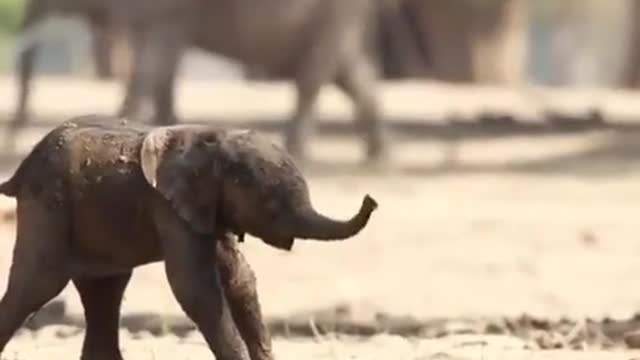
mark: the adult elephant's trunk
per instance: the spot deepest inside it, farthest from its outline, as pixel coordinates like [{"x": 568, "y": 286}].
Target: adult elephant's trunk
[{"x": 312, "y": 225}]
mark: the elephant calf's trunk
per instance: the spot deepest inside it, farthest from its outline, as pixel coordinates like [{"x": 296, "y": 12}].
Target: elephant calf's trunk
[{"x": 320, "y": 227}]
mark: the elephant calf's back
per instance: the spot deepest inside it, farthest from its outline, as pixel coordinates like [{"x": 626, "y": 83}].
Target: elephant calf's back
[
  {"x": 89, "y": 169},
  {"x": 110, "y": 198}
]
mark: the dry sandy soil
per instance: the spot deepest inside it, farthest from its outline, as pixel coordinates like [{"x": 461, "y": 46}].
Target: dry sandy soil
[
  {"x": 512, "y": 219},
  {"x": 46, "y": 345}
]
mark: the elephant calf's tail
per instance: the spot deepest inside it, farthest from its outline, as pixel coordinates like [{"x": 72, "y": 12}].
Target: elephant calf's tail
[{"x": 9, "y": 187}]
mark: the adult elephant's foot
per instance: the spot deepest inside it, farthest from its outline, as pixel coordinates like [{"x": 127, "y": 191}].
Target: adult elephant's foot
[
  {"x": 134, "y": 114},
  {"x": 380, "y": 163},
  {"x": 165, "y": 120},
  {"x": 9, "y": 141},
  {"x": 377, "y": 154}
]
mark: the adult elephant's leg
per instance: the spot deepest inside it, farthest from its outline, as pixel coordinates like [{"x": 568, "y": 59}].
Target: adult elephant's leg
[
  {"x": 139, "y": 82},
  {"x": 193, "y": 276},
  {"x": 38, "y": 271},
  {"x": 316, "y": 67},
  {"x": 25, "y": 65},
  {"x": 101, "y": 45},
  {"x": 157, "y": 49},
  {"x": 101, "y": 299},
  {"x": 300, "y": 127},
  {"x": 358, "y": 80},
  {"x": 239, "y": 284},
  {"x": 170, "y": 52}
]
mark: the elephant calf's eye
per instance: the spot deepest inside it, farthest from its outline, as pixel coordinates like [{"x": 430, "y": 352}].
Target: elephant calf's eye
[
  {"x": 208, "y": 139},
  {"x": 171, "y": 143}
]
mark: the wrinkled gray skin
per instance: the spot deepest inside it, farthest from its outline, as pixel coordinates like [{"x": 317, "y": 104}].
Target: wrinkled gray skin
[{"x": 98, "y": 197}]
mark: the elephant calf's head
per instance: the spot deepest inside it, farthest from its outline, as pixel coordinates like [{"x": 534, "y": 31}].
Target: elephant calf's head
[{"x": 241, "y": 182}]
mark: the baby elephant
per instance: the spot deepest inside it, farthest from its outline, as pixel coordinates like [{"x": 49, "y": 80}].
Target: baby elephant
[{"x": 97, "y": 197}]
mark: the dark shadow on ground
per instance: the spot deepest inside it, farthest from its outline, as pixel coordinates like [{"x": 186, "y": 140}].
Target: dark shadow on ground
[
  {"x": 545, "y": 333},
  {"x": 617, "y": 155},
  {"x": 482, "y": 126}
]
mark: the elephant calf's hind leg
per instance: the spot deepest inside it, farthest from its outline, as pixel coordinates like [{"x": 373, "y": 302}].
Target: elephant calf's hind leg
[
  {"x": 38, "y": 272},
  {"x": 28, "y": 291}
]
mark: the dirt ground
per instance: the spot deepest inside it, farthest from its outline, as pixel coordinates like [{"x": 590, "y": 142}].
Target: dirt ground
[
  {"x": 46, "y": 344},
  {"x": 473, "y": 222}
]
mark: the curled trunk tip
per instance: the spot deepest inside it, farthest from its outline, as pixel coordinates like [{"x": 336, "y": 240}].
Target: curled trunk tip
[
  {"x": 369, "y": 204},
  {"x": 320, "y": 227}
]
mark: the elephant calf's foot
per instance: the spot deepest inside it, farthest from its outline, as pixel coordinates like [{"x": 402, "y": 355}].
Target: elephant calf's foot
[{"x": 101, "y": 355}]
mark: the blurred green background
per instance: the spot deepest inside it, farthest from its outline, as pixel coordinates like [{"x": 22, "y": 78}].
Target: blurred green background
[{"x": 10, "y": 17}]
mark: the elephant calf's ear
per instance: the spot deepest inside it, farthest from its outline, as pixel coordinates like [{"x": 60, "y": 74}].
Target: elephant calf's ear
[
  {"x": 151, "y": 152},
  {"x": 168, "y": 176}
]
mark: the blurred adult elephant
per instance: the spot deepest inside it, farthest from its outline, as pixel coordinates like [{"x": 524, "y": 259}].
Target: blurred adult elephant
[
  {"x": 314, "y": 42},
  {"x": 460, "y": 40},
  {"x": 463, "y": 41},
  {"x": 98, "y": 197},
  {"x": 397, "y": 39}
]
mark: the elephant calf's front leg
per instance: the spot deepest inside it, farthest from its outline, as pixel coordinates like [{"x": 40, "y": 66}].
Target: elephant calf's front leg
[
  {"x": 196, "y": 285},
  {"x": 239, "y": 283},
  {"x": 193, "y": 276}
]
